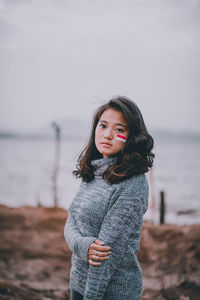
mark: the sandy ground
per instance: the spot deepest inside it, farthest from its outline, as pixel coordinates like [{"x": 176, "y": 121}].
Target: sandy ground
[{"x": 35, "y": 260}]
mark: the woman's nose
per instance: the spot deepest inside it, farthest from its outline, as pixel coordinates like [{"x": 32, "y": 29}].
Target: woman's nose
[{"x": 108, "y": 133}]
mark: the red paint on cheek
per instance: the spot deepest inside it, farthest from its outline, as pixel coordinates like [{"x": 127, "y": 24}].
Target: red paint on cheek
[{"x": 121, "y": 138}]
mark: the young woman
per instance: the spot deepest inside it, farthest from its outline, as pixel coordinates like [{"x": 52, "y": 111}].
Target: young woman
[{"x": 105, "y": 217}]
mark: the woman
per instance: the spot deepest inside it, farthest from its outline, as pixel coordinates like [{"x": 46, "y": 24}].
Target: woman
[{"x": 105, "y": 217}]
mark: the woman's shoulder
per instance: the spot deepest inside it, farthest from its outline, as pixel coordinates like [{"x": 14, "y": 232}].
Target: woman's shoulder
[
  {"x": 134, "y": 184},
  {"x": 130, "y": 183},
  {"x": 134, "y": 180}
]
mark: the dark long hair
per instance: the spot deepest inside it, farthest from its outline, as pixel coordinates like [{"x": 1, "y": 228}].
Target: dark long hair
[{"x": 135, "y": 157}]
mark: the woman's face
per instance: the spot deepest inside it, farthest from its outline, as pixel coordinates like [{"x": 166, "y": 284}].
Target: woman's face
[{"x": 111, "y": 123}]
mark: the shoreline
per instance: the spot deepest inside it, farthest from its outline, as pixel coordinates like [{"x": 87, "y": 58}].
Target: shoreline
[
  {"x": 35, "y": 261},
  {"x": 184, "y": 217}
]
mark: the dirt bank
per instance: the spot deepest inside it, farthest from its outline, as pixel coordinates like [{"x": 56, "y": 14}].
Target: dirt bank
[{"x": 35, "y": 259}]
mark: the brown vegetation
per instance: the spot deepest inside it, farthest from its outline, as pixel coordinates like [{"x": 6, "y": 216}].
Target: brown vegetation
[{"x": 35, "y": 260}]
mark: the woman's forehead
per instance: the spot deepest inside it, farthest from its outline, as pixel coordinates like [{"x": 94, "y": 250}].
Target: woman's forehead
[{"x": 113, "y": 116}]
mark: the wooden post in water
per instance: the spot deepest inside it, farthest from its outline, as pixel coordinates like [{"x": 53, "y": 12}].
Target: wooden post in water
[
  {"x": 56, "y": 162},
  {"x": 162, "y": 207}
]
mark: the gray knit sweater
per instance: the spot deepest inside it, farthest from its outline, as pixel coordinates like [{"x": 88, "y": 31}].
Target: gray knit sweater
[{"x": 112, "y": 213}]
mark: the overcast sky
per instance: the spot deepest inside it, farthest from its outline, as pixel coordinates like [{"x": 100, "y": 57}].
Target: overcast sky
[{"x": 62, "y": 58}]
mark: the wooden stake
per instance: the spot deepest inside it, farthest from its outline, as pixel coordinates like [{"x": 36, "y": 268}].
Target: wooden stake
[
  {"x": 56, "y": 162},
  {"x": 162, "y": 207}
]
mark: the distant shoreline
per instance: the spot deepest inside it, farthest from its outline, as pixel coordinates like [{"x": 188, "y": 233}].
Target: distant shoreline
[{"x": 163, "y": 135}]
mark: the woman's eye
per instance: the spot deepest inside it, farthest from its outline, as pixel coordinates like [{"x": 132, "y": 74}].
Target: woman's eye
[
  {"x": 119, "y": 129},
  {"x": 102, "y": 125}
]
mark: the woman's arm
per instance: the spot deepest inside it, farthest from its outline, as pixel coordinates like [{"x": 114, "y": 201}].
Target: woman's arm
[
  {"x": 77, "y": 243},
  {"x": 118, "y": 225}
]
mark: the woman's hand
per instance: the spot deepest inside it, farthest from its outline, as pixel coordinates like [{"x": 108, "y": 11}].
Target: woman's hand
[{"x": 98, "y": 252}]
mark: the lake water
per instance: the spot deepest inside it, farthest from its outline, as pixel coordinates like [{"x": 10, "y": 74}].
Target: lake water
[{"x": 26, "y": 176}]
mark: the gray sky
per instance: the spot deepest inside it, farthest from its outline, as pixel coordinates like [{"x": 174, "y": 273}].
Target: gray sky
[{"x": 63, "y": 58}]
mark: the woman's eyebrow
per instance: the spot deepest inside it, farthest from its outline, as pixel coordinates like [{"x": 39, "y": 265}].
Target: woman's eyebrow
[{"x": 119, "y": 124}]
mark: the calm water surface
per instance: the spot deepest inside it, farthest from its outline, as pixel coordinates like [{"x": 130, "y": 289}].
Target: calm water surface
[{"x": 26, "y": 176}]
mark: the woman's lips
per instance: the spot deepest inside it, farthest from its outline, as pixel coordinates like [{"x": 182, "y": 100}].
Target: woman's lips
[{"x": 106, "y": 144}]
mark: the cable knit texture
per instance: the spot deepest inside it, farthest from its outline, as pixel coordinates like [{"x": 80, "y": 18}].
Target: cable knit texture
[{"x": 112, "y": 213}]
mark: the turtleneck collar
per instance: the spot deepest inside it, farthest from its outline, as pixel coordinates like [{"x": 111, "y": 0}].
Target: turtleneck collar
[{"x": 100, "y": 165}]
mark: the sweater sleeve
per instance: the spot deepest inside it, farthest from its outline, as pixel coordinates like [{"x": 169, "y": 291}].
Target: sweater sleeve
[
  {"x": 76, "y": 242},
  {"x": 119, "y": 223}
]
